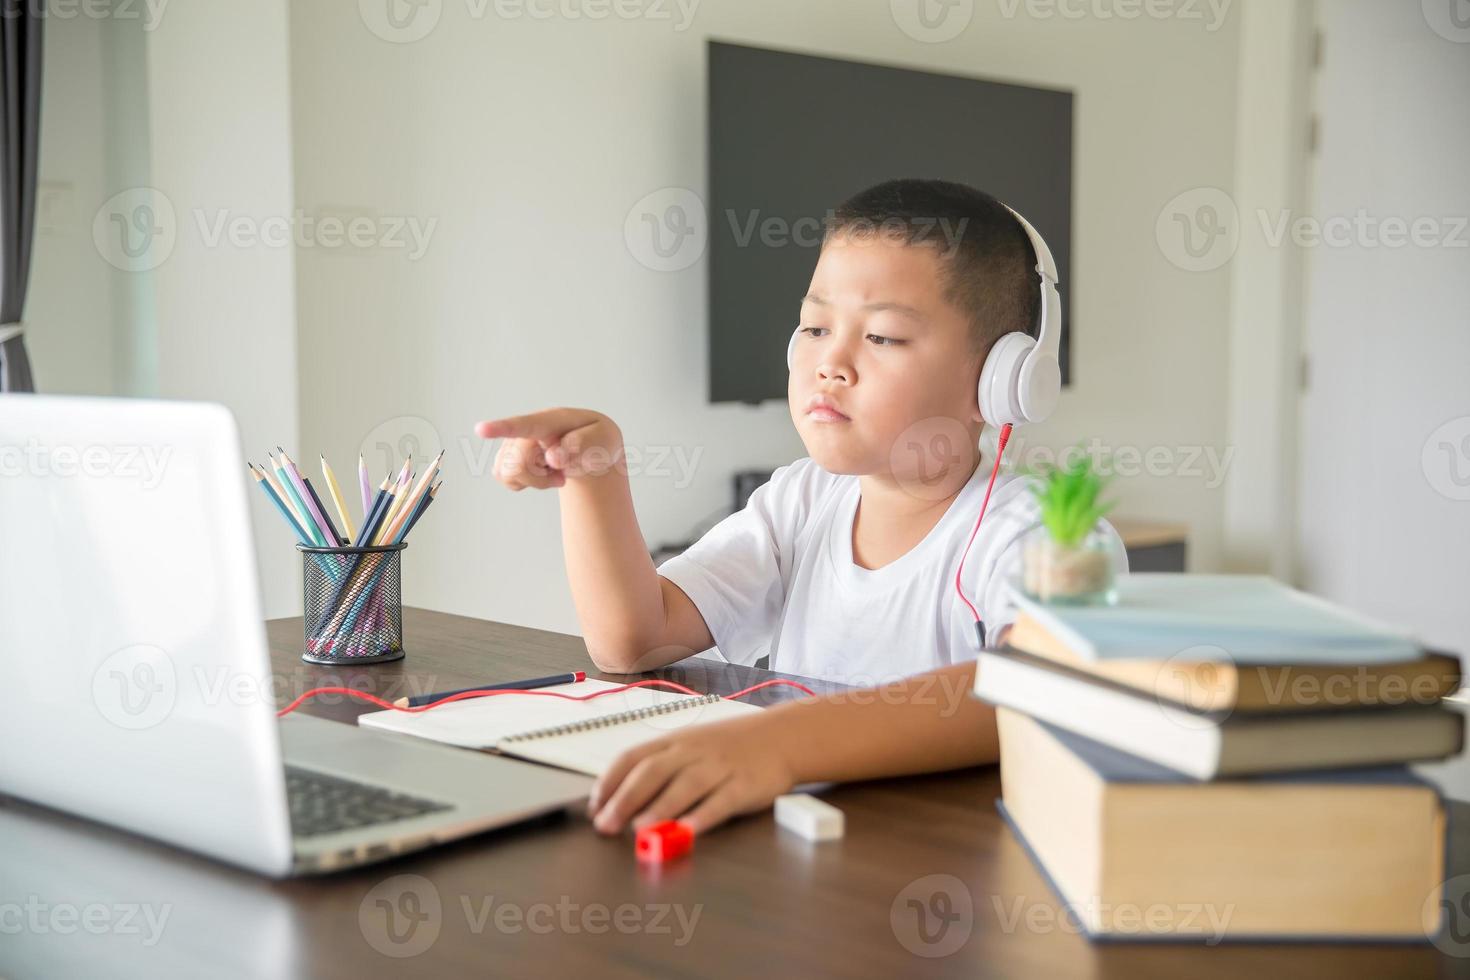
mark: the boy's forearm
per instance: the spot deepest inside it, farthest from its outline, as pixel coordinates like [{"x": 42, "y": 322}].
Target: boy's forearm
[
  {"x": 614, "y": 586},
  {"x": 926, "y": 723}
]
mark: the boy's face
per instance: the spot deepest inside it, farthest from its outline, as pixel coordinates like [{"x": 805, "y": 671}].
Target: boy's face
[{"x": 879, "y": 339}]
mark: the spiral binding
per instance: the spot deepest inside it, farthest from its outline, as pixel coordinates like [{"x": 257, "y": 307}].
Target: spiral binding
[{"x": 607, "y": 721}]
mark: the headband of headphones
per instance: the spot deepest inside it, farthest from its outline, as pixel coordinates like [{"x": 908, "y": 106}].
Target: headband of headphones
[{"x": 1022, "y": 377}]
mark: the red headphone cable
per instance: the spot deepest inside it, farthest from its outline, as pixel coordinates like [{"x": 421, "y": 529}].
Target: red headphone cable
[{"x": 1000, "y": 448}]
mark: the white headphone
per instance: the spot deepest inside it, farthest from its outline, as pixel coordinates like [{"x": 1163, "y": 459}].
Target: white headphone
[{"x": 1022, "y": 378}]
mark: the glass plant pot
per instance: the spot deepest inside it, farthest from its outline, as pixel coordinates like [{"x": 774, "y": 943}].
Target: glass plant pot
[{"x": 1080, "y": 574}]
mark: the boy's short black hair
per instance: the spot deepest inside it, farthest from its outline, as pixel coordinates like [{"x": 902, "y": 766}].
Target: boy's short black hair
[{"x": 989, "y": 264}]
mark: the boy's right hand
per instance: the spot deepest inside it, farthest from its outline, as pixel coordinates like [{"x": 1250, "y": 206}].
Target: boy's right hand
[{"x": 547, "y": 448}]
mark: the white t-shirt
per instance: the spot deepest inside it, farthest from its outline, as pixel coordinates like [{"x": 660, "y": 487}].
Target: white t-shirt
[{"x": 778, "y": 578}]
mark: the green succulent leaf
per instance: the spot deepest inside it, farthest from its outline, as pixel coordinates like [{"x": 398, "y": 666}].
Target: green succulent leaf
[{"x": 1069, "y": 497}]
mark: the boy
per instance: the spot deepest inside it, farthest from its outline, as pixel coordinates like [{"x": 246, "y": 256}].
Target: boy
[{"x": 844, "y": 564}]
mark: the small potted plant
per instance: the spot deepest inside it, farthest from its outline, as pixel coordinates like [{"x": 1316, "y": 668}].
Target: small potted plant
[{"x": 1070, "y": 557}]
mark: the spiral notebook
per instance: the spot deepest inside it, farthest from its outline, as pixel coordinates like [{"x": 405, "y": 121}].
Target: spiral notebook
[{"x": 583, "y": 736}]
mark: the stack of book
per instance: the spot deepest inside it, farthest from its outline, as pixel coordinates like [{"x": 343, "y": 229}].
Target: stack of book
[{"x": 1222, "y": 757}]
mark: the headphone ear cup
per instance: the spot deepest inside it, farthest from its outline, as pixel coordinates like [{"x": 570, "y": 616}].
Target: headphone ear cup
[
  {"x": 1000, "y": 379},
  {"x": 791, "y": 348},
  {"x": 1040, "y": 386}
]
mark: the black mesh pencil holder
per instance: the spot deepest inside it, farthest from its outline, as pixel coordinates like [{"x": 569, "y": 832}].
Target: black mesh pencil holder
[{"x": 352, "y": 600}]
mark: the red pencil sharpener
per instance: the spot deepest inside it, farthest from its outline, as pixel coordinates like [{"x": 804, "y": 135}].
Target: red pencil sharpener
[{"x": 662, "y": 842}]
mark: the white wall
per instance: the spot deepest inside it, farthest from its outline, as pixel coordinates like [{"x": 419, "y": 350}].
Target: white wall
[
  {"x": 220, "y": 145},
  {"x": 1273, "y": 123},
  {"x": 529, "y": 140},
  {"x": 187, "y": 114},
  {"x": 1385, "y": 463}
]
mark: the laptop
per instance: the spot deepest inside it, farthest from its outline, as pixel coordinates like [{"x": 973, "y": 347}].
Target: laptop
[{"x": 136, "y": 674}]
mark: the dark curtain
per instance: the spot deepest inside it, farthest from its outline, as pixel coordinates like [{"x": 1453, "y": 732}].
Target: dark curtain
[{"x": 20, "y": 137}]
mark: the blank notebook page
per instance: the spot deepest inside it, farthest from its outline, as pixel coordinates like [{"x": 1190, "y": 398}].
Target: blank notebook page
[
  {"x": 482, "y": 723},
  {"x": 593, "y": 749}
]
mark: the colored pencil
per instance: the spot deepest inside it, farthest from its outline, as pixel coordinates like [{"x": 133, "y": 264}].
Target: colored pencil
[
  {"x": 423, "y": 506},
  {"x": 532, "y": 684},
  {"x": 411, "y": 503},
  {"x": 367, "y": 487},
  {"x": 400, "y": 496},
  {"x": 357, "y": 611},
  {"x": 280, "y": 505},
  {"x": 298, "y": 521},
  {"x": 332, "y": 488},
  {"x": 298, "y": 502},
  {"x": 375, "y": 514},
  {"x": 294, "y": 475},
  {"x": 332, "y": 532},
  {"x": 367, "y": 584}
]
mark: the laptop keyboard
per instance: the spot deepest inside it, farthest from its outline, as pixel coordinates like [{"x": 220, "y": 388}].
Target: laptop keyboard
[{"x": 322, "y": 804}]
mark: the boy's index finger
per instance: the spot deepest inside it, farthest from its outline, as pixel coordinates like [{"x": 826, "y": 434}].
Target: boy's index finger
[{"x": 548, "y": 425}]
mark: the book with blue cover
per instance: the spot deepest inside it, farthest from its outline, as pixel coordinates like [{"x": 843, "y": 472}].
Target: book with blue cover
[{"x": 1239, "y": 619}]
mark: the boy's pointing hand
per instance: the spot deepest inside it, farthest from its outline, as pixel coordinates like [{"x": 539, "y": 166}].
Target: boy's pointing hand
[{"x": 545, "y": 449}]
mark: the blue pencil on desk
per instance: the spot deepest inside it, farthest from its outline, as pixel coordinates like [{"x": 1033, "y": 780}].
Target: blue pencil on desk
[{"x": 527, "y": 685}]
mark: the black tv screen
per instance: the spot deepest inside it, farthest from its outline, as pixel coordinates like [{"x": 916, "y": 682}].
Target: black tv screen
[{"x": 792, "y": 135}]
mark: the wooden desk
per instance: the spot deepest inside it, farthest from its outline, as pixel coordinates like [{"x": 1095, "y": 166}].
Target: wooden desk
[{"x": 765, "y": 901}]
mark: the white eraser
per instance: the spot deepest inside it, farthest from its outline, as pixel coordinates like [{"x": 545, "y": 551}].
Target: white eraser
[{"x": 808, "y": 816}]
